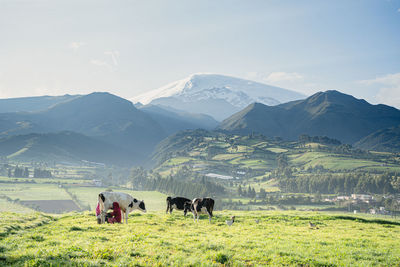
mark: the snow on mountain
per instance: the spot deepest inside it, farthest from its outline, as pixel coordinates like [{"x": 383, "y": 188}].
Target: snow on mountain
[{"x": 228, "y": 92}]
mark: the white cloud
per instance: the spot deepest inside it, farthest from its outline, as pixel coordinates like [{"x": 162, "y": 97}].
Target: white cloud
[
  {"x": 398, "y": 10},
  {"x": 101, "y": 63},
  {"x": 76, "y": 45},
  {"x": 281, "y": 76},
  {"x": 114, "y": 56},
  {"x": 389, "y": 88}
]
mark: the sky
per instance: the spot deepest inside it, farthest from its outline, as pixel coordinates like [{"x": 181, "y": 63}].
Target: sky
[{"x": 53, "y": 47}]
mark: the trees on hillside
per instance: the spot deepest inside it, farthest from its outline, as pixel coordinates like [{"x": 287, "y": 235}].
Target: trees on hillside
[{"x": 346, "y": 183}]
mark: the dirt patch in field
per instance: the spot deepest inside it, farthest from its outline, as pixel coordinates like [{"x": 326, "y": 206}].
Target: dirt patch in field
[{"x": 51, "y": 206}]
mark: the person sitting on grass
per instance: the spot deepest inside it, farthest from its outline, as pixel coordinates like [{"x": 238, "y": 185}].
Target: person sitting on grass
[
  {"x": 116, "y": 214},
  {"x": 108, "y": 215}
]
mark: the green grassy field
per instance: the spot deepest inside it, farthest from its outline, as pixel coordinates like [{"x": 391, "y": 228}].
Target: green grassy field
[{"x": 157, "y": 239}]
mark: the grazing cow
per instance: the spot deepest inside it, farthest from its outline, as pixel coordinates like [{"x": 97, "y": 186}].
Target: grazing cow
[
  {"x": 126, "y": 202},
  {"x": 176, "y": 203},
  {"x": 200, "y": 206}
]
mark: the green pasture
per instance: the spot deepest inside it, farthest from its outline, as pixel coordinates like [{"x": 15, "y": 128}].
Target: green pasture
[
  {"x": 277, "y": 149},
  {"x": 256, "y": 163},
  {"x": 226, "y": 156},
  {"x": 176, "y": 161},
  {"x": 332, "y": 161},
  {"x": 158, "y": 239},
  {"x": 268, "y": 186}
]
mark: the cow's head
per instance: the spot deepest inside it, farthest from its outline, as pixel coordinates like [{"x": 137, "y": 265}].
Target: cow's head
[
  {"x": 187, "y": 207},
  {"x": 136, "y": 205},
  {"x": 142, "y": 206}
]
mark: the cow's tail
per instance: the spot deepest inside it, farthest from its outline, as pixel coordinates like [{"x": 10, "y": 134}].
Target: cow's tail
[
  {"x": 212, "y": 206},
  {"x": 168, "y": 204}
]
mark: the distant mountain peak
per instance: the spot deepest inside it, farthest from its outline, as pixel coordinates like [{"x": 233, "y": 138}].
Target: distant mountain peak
[
  {"x": 215, "y": 94},
  {"x": 212, "y": 83}
]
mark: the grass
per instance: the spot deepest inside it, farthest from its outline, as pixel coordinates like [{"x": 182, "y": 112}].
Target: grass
[
  {"x": 277, "y": 149},
  {"x": 176, "y": 161},
  {"x": 331, "y": 161},
  {"x": 157, "y": 239},
  {"x": 226, "y": 156}
]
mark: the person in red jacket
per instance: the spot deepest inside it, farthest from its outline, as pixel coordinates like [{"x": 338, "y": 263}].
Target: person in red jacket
[{"x": 116, "y": 214}]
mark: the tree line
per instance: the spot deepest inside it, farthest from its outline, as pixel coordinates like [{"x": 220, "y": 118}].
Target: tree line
[
  {"x": 20, "y": 172},
  {"x": 183, "y": 183},
  {"x": 346, "y": 183}
]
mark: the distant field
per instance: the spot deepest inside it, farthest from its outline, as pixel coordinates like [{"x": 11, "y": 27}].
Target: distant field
[
  {"x": 44, "y": 180},
  {"x": 332, "y": 161},
  {"x": 177, "y": 161},
  {"x": 33, "y": 191},
  {"x": 157, "y": 239},
  {"x": 6, "y": 206}
]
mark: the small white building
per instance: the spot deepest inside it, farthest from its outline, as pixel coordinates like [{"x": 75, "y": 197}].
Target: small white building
[
  {"x": 362, "y": 197},
  {"x": 97, "y": 182}
]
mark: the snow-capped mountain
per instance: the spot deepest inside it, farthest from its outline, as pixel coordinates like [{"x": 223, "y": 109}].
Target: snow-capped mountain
[{"x": 217, "y": 95}]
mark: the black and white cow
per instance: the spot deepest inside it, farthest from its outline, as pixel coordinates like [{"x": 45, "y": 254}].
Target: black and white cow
[
  {"x": 126, "y": 202},
  {"x": 200, "y": 206},
  {"x": 176, "y": 203}
]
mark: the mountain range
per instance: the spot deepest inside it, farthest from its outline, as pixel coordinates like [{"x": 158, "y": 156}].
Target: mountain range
[
  {"x": 99, "y": 118},
  {"x": 216, "y": 95},
  {"x": 105, "y": 128},
  {"x": 329, "y": 113}
]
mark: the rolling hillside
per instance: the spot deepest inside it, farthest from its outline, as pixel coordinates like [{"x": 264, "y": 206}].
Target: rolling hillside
[
  {"x": 272, "y": 164},
  {"x": 387, "y": 140},
  {"x": 329, "y": 113},
  {"x": 66, "y": 147}
]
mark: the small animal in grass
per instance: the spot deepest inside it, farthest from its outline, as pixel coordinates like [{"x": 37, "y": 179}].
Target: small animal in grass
[
  {"x": 231, "y": 221},
  {"x": 313, "y": 225},
  {"x": 257, "y": 221}
]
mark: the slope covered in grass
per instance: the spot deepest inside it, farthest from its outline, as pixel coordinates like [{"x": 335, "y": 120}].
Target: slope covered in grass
[{"x": 280, "y": 238}]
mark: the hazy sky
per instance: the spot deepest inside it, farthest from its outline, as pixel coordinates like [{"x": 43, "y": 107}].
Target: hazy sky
[{"x": 129, "y": 47}]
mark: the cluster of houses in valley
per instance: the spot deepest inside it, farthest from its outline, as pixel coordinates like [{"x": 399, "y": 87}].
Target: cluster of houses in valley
[{"x": 360, "y": 199}]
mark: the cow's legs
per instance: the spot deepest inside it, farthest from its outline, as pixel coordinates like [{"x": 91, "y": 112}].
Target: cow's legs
[
  {"x": 126, "y": 217},
  {"x": 123, "y": 215},
  {"x": 194, "y": 217}
]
